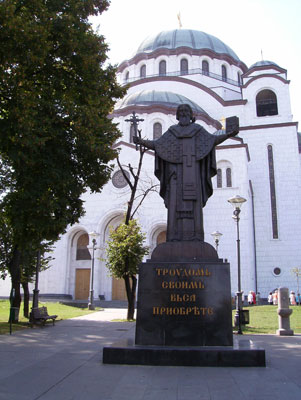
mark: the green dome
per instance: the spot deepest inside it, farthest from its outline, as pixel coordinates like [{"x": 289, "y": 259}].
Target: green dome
[
  {"x": 263, "y": 63},
  {"x": 185, "y": 38},
  {"x": 151, "y": 97}
]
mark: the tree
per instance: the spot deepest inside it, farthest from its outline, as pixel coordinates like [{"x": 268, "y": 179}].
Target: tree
[
  {"x": 125, "y": 252},
  {"x": 55, "y": 135}
]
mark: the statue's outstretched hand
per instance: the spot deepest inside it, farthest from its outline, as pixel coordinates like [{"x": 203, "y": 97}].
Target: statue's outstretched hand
[{"x": 232, "y": 126}]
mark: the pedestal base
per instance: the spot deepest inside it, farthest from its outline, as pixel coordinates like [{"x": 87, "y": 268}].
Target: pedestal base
[{"x": 242, "y": 354}]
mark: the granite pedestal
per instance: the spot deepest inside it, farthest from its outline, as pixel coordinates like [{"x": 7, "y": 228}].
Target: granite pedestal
[{"x": 184, "y": 312}]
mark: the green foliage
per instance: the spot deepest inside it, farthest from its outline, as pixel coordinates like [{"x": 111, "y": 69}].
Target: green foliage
[
  {"x": 125, "y": 250},
  {"x": 264, "y": 319},
  {"x": 55, "y": 97},
  {"x": 28, "y": 257}
]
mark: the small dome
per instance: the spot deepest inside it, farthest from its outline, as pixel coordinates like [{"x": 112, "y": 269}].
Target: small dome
[
  {"x": 263, "y": 63},
  {"x": 151, "y": 97},
  {"x": 185, "y": 38}
]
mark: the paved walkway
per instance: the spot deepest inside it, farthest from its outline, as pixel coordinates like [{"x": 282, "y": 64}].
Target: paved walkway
[{"x": 64, "y": 362}]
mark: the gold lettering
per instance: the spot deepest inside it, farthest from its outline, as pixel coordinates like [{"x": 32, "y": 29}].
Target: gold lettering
[
  {"x": 172, "y": 272},
  {"x": 164, "y": 285},
  {"x": 210, "y": 311},
  {"x": 169, "y": 311},
  {"x": 165, "y": 271},
  {"x": 159, "y": 270},
  {"x": 188, "y": 310},
  {"x": 176, "y": 311},
  {"x": 185, "y": 272},
  {"x": 196, "y": 310},
  {"x": 155, "y": 310},
  {"x": 192, "y": 298},
  {"x": 182, "y": 310},
  {"x": 207, "y": 273}
]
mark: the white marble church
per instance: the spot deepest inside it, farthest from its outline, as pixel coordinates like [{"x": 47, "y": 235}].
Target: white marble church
[{"x": 261, "y": 164}]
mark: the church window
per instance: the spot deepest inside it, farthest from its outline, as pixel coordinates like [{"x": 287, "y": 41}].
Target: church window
[
  {"x": 273, "y": 192},
  {"x": 119, "y": 180},
  {"x": 219, "y": 182},
  {"x": 266, "y": 103},
  {"x": 132, "y": 132},
  {"x": 205, "y": 67},
  {"x": 229, "y": 177},
  {"x": 143, "y": 71},
  {"x": 82, "y": 252},
  {"x": 157, "y": 130},
  {"x": 184, "y": 66},
  {"x": 277, "y": 271},
  {"x": 162, "y": 67},
  {"x": 224, "y": 73}
]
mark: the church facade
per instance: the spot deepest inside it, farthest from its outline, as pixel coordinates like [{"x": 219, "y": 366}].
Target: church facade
[{"x": 261, "y": 164}]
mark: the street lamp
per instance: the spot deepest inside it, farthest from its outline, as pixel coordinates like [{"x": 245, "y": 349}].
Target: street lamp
[
  {"x": 91, "y": 306},
  {"x": 237, "y": 202},
  {"x": 216, "y": 236}
]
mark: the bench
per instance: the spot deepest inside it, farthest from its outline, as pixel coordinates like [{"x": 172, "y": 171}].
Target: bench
[{"x": 41, "y": 315}]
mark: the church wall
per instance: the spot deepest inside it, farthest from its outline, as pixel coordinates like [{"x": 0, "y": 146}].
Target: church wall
[
  {"x": 218, "y": 216},
  {"x": 283, "y": 252}
]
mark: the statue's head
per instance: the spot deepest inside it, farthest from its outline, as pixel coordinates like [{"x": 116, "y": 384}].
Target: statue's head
[{"x": 185, "y": 115}]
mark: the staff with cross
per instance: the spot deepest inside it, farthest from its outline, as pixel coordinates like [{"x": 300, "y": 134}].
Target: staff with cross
[{"x": 134, "y": 120}]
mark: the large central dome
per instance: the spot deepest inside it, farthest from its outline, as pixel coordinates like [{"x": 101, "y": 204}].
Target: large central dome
[{"x": 185, "y": 38}]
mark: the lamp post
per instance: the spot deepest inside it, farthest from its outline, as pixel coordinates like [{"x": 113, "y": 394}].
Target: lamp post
[
  {"x": 216, "y": 236},
  {"x": 237, "y": 202},
  {"x": 91, "y": 306}
]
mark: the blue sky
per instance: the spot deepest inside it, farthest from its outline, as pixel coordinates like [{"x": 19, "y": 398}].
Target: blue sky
[{"x": 247, "y": 26}]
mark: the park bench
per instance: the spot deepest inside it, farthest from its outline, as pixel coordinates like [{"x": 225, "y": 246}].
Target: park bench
[{"x": 40, "y": 314}]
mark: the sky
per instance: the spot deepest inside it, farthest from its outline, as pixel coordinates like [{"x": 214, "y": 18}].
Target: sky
[{"x": 254, "y": 29}]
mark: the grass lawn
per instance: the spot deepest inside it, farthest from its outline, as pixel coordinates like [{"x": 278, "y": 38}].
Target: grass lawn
[
  {"x": 63, "y": 312},
  {"x": 264, "y": 319}
]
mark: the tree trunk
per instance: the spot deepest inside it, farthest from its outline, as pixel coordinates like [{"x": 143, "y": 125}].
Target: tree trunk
[
  {"x": 26, "y": 299},
  {"x": 131, "y": 295},
  {"x": 15, "y": 296}
]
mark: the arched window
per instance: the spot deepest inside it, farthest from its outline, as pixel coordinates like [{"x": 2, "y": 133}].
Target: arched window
[
  {"x": 266, "y": 103},
  {"x": 229, "y": 177},
  {"x": 143, "y": 71},
  {"x": 219, "y": 182},
  {"x": 132, "y": 131},
  {"x": 162, "y": 67},
  {"x": 205, "y": 67},
  {"x": 184, "y": 66},
  {"x": 157, "y": 130},
  {"x": 224, "y": 73},
  {"x": 82, "y": 252}
]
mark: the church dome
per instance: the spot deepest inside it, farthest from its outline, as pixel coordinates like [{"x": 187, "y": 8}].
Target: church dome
[
  {"x": 156, "y": 97},
  {"x": 185, "y": 38},
  {"x": 263, "y": 63}
]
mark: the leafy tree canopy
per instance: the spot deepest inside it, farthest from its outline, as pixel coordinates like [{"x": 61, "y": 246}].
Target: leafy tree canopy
[
  {"x": 55, "y": 97},
  {"x": 125, "y": 249}
]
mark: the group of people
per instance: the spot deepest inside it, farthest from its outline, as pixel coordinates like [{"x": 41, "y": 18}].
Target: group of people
[
  {"x": 253, "y": 298},
  {"x": 295, "y": 299}
]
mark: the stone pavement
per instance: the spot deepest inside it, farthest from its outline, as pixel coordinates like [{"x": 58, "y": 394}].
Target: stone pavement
[{"x": 64, "y": 362}]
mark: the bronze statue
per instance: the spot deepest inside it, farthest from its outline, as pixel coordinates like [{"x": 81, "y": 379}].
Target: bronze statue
[{"x": 184, "y": 164}]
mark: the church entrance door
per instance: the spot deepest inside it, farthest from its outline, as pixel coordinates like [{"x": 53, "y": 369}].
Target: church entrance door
[
  {"x": 118, "y": 289},
  {"x": 82, "y": 284}
]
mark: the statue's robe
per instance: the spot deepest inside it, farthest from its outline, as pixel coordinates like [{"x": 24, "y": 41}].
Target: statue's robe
[{"x": 185, "y": 163}]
